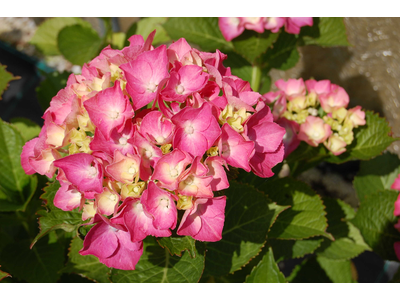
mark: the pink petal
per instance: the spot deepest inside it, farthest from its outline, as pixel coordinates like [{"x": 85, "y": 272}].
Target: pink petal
[
  {"x": 161, "y": 205},
  {"x": 83, "y": 171},
  {"x": 230, "y": 27},
  {"x": 216, "y": 169},
  {"x": 67, "y": 198},
  {"x": 27, "y": 152},
  {"x": 101, "y": 241},
  {"x": 109, "y": 109},
  {"x": 127, "y": 255},
  {"x": 205, "y": 221}
]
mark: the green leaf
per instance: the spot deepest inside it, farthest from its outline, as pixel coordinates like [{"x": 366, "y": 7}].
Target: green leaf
[
  {"x": 3, "y": 275},
  {"x": 304, "y": 152},
  {"x": 375, "y": 220},
  {"x": 251, "y": 44},
  {"x": 54, "y": 218},
  {"x": 131, "y": 31},
  {"x": 308, "y": 271},
  {"x": 49, "y": 87},
  {"x": 5, "y": 78},
  {"x": 376, "y": 174},
  {"x": 266, "y": 271},
  {"x": 176, "y": 245},
  {"x": 40, "y": 265},
  {"x": 79, "y": 44},
  {"x": 17, "y": 188},
  {"x": 283, "y": 55},
  {"x": 369, "y": 141},
  {"x": 290, "y": 61},
  {"x": 26, "y": 128},
  {"x": 289, "y": 249},
  {"x": 118, "y": 40},
  {"x": 348, "y": 241},
  {"x": 305, "y": 217},
  {"x": 326, "y": 32},
  {"x": 87, "y": 266},
  {"x": 45, "y": 37},
  {"x": 158, "y": 266},
  {"x": 345, "y": 247},
  {"x": 147, "y": 25},
  {"x": 239, "y": 66},
  {"x": 266, "y": 82},
  {"x": 248, "y": 216},
  {"x": 201, "y": 31},
  {"x": 337, "y": 271}
]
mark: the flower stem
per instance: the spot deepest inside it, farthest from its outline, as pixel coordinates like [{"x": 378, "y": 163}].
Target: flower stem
[{"x": 255, "y": 78}]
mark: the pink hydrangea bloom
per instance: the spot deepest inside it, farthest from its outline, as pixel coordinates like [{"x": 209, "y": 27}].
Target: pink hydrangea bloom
[
  {"x": 319, "y": 108},
  {"x": 273, "y": 24},
  {"x": 138, "y": 220},
  {"x": 292, "y": 88},
  {"x": 234, "y": 148},
  {"x": 215, "y": 165},
  {"x": 144, "y": 74},
  {"x": 335, "y": 144},
  {"x": 160, "y": 204},
  {"x": 268, "y": 144},
  {"x": 293, "y": 25},
  {"x": 314, "y": 131},
  {"x": 205, "y": 220},
  {"x": 186, "y": 81},
  {"x": 169, "y": 168},
  {"x": 196, "y": 129},
  {"x": 109, "y": 109},
  {"x": 112, "y": 245},
  {"x": 83, "y": 171},
  {"x": 356, "y": 116},
  {"x": 130, "y": 168},
  {"x": 67, "y": 197},
  {"x": 290, "y": 139},
  {"x": 194, "y": 181},
  {"x": 232, "y": 27},
  {"x": 336, "y": 98}
]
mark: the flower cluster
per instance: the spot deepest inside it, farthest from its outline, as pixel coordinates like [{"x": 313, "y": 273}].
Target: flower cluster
[
  {"x": 146, "y": 132},
  {"x": 396, "y": 212},
  {"x": 233, "y": 27},
  {"x": 314, "y": 112}
]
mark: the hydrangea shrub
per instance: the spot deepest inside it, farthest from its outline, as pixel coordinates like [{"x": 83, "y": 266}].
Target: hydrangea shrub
[{"x": 172, "y": 159}]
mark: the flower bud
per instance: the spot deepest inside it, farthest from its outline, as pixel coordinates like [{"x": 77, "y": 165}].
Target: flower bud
[
  {"x": 335, "y": 144},
  {"x": 356, "y": 116},
  {"x": 184, "y": 202},
  {"x": 339, "y": 114}
]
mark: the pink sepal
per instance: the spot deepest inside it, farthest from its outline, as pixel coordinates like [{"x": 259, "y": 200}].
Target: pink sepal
[
  {"x": 205, "y": 220},
  {"x": 160, "y": 204},
  {"x": 112, "y": 246},
  {"x": 83, "y": 171}
]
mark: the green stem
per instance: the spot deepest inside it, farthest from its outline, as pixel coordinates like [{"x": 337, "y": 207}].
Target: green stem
[{"x": 255, "y": 78}]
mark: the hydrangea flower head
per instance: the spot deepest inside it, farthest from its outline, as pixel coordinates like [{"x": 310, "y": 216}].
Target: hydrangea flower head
[
  {"x": 314, "y": 112},
  {"x": 232, "y": 27},
  {"x": 143, "y": 133}
]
